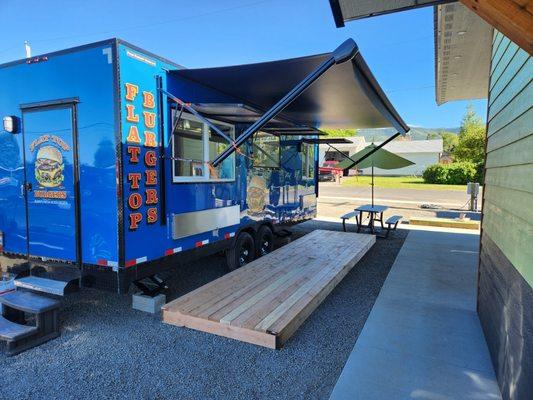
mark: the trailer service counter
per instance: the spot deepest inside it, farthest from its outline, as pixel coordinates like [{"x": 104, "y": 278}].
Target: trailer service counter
[{"x": 117, "y": 163}]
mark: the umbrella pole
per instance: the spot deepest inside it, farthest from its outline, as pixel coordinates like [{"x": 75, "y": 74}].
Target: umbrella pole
[{"x": 372, "y": 183}]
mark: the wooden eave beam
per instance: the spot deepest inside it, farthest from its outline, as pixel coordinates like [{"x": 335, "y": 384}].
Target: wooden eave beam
[{"x": 513, "y": 18}]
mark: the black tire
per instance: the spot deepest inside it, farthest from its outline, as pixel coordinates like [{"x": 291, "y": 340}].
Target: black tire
[
  {"x": 264, "y": 241},
  {"x": 242, "y": 252}
]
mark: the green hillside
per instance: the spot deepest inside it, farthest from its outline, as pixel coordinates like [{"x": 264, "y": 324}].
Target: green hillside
[{"x": 379, "y": 135}]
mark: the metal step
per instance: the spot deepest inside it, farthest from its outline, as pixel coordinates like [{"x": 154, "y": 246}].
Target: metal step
[
  {"x": 29, "y": 302},
  {"x": 14, "y": 327},
  {"x": 13, "y": 331},
  {"x": 43, "y": 285}
]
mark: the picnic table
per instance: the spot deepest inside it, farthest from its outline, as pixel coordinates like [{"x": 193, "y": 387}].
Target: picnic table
[{"x": 375, "y": 213}]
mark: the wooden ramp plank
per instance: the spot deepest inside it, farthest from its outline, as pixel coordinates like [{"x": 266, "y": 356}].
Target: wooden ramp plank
[
  {"x": 236, "y": 280},
  {"x": 289, "y": 323},
  {"x": 283, "y": 281},
  {"x": 281, "y": 272},
  {"x": 266, "y": 301},
  {"x": 305, "y": 294},
  {"x": 232, "y": 332}
]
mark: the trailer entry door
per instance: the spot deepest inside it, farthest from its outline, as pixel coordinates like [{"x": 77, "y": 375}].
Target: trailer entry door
[{"x": 51, "y": 176}]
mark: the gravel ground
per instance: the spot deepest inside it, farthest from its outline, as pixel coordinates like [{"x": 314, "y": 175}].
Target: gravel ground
[{"x": 108, "y": 350}]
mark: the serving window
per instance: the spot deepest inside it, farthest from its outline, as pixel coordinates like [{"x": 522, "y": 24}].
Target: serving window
[
  {"x": 195, "y": 145},
  {"x": 266, "y": 150}
]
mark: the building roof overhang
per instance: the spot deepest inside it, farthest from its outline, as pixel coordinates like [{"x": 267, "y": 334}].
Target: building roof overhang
[
  {"x": 349, "y": 10},
  {"x": 463, "y": 43}
]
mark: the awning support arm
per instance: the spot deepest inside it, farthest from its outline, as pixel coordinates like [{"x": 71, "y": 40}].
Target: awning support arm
[
  {"x": 198, "y": 115},
  {"x": 374, "y": 150},
  {"x": 346, "y": 51}
]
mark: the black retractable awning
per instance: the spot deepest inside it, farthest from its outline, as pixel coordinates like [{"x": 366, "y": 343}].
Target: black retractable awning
[
  {"x": 329, "y": 90},
  {"x": 347, "y": 95}
]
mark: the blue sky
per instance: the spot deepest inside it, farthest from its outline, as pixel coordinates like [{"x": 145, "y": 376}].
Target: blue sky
[{"x": 203, "y": 33}]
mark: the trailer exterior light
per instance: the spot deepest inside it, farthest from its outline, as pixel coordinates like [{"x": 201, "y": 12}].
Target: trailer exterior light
[{"x": 11, "y": 124}]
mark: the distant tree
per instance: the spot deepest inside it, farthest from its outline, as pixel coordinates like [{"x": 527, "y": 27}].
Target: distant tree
[
  {"x": 471, "y": 140},
  {"x": 340, "y": 132},
  {"x": 432, "y": 136},
  {"x": 449, "y": 141}
]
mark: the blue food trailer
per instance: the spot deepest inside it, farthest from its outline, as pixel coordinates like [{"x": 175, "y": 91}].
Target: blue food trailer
[{"x": 117, "y": 163}]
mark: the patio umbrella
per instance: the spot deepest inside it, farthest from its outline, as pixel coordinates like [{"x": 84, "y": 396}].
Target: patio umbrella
[{"x": 381, "y": 159}]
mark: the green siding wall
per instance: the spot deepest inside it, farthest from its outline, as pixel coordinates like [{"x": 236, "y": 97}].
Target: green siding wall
[
  {"x": 508, "y": 201},
  {"x": 505, "y": 286}
]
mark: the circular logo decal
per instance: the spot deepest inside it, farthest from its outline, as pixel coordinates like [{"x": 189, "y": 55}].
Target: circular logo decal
[{"x": 49, "y": 167}]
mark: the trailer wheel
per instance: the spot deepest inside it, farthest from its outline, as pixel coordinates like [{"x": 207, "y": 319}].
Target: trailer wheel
[
  {"x": 264, "y": 241},
  {"x": 242, "y": 252}
]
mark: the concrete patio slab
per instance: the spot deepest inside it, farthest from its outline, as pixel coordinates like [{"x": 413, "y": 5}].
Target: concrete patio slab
[
  {"x": 377, "y": 374},
  {"x": 423, "y": 339}
]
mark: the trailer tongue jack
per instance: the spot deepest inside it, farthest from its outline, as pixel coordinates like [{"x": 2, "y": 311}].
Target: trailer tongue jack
[{"x": 151, "y": 285}]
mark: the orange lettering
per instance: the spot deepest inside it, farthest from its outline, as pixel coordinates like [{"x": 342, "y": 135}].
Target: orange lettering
[
  {"x": 151, "y": 196},
  {"x": 134, "y": 152},
  {"x": 131, "y": 91},
  {"x": 135, "y": 201},
  {"x": 151, "y": 177},
  {"x": 149, "y": 119},
  {"x": 130, "y": 113},
  {"x": 135, "y": 218},
  {"x": 149, "y": 139},
  {"x": 134, "y": 178},
  {"x": 150, "y": 158},
  {"x": 148, "y": 100},
  {"x": 151, "y": 215},
  {"x": 133, "y": 135}
]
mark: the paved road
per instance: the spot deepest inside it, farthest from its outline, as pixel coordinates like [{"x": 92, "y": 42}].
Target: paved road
[
  {"x": 455, "y": 198},
  {"x": 335, "y": 200}
]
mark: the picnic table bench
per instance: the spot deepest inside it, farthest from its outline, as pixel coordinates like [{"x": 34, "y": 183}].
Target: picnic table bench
[{"x": 391, "y": 222}]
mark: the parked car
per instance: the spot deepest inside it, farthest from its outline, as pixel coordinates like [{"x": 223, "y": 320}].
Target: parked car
[
  {"x": 330, "y": 167},
  {"x": 325, "y": 176}
]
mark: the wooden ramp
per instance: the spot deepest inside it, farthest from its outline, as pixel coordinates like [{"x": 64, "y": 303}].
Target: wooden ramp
[{"x": 265, "y": 301}]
